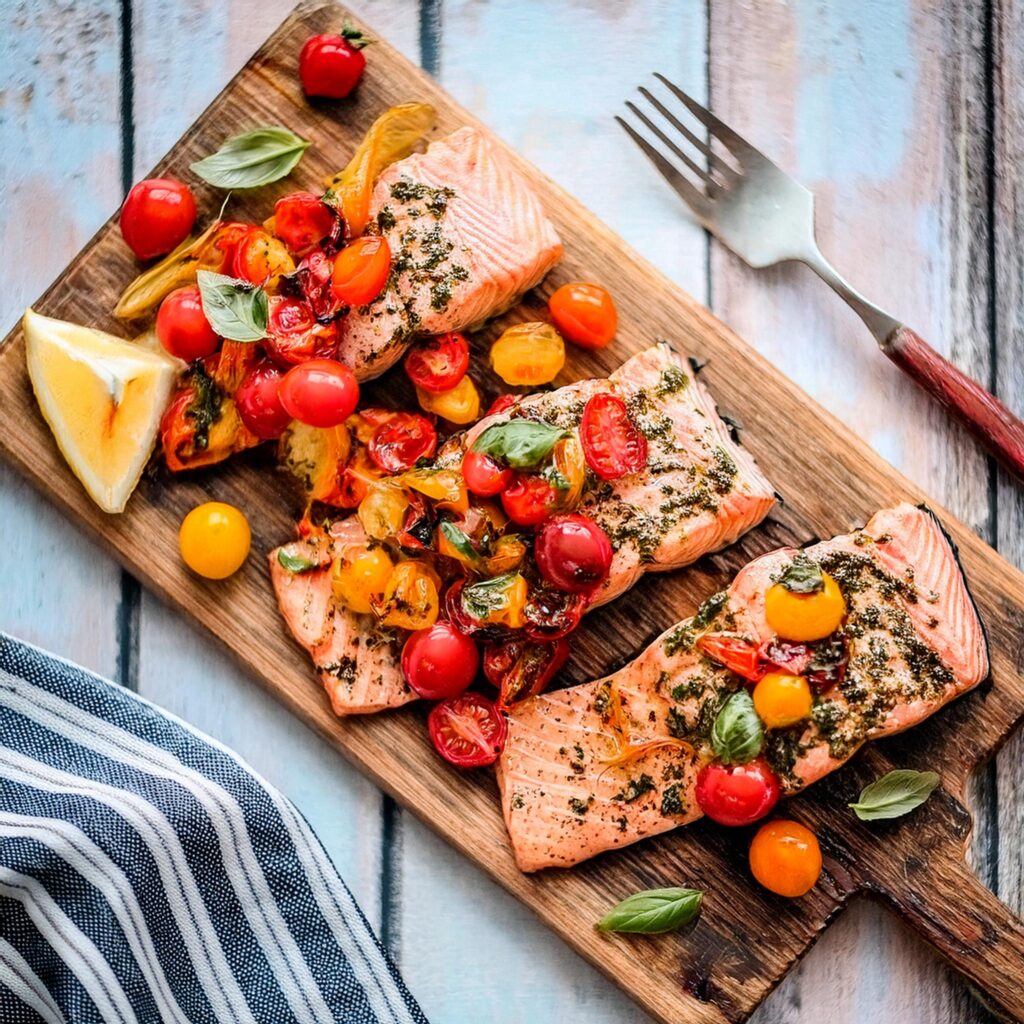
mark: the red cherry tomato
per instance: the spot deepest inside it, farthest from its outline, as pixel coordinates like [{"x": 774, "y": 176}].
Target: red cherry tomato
[
  {"x": 573, "y": 553},
  {"x": 737, "y": 794},
  {"x": 439, "y": 662},
  {"x": 483, "y": 476},
  {"x": 294, "y": 335},
  {"x": 320, "y": 392},
  {"x": 226, "y": 240},
  {"x": 520, "y": 668},
  {"x": 437, "y": 364},
  {"x": 735, "y": 653},
  {"x": 529, "y": 499},
  {"x": 612, "y": 446},
  {"x": 361, "y": 270},
  {"x": 182, "y": 326},
  {"x": 302, "y": 221},
  {"x": 469, "y": 730},
  {"x": 501, "y": 403},
  {"x": 585, "y": 314},
  {"x": 312, "y": 282},
  {"x": 403, "y": 439},
  {"x": 551, "y": 614},
  {"x": 157, "y": 216},
  {"x": 258, "y": 402},
  {"x": 332, "y": 65}
]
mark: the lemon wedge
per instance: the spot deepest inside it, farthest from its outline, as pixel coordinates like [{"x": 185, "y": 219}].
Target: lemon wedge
[{"x": 102, "y": 397}]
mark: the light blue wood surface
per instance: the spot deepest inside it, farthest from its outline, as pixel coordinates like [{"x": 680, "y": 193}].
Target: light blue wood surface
[{"x": 886, "y": 108}]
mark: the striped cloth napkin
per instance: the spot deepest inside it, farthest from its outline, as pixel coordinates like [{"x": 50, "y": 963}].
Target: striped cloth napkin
[{"x": 147, "y": 875}]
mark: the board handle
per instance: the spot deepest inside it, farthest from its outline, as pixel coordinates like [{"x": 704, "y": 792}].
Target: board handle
[{"x": 971, "y": 927}]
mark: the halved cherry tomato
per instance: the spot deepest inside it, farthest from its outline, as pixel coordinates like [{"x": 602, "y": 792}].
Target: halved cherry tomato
[
  {"x": 499, "y": 601},
  {"x": 157, "y": 216},
  {"x": 585, "y": 314},
  {"x": 410, "y": 600},
  {"x": 573, "y": 553},
  {"x": 612, "y": 445},
  {"x": 260, "y": 258},
  {"x": 320, "y": 392},
  {"x": 459, "y": 405},
  {"x": 311, "y": 281},
  {"x": 437, "y": 364},
  {"x": 400, "y": 441},
  {"x": 294, "y": 335},
  {"x": 302, "y": 221},
  {"x": 417, "y": 530},
  {"x": 360, "y": 576},
  {"x": 182, "y": 326},
  {"x": 522, "y": 668},
  {"x": 735, "y": 653},
  {"x": 737, "y": 794},
  {"x": 785, "y": 858},
  {"x": 501, "y": 404},
  {"x": 361, "y": 270},
  {"x": 551, "y": 614},
  {"x": 439, "y": 662},
  {"x": 353, "y": 482},
  {"x": 469, "y": 731},
  {"x": 483, "y": 476},
  {"x": 528, "y": 354},
  {"x": 258, "y": 401},
  {"x": 382, "y": 510},
  {"x": 529, "y": 499}
]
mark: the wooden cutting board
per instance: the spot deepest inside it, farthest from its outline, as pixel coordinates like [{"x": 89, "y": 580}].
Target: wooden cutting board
[{"x": 746, "y": 938}]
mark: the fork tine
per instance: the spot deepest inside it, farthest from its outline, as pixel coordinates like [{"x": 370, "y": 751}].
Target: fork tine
[
  {"x": 696, "y": 168},
  {"x": 689, "y": 193},
  {"x": 735, "y": 143}
]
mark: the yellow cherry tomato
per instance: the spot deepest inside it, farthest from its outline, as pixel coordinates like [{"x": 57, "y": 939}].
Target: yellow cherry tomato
[
  {"x": 570, "y": 463},
  {"x": 447, "y": 487},
  {"x": 214, "y": 539},
  {"x": 785, "y": 858},
  {"x": 360, "y": 575},
  {"x": 805, "y": 617},
  {"x": 410, "y": 599},
  {"x": 382, "y": 510},
  {"x": 459, "y": 405},
  {"x": 782, "y": 700},
  {"x": 528, "y": 354}
]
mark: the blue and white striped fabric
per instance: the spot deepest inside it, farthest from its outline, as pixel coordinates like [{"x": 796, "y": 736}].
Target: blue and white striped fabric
[{"x": 146, "y": 875}]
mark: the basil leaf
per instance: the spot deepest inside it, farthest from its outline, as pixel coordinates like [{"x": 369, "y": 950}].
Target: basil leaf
[
  {"x": 653, "y": 911},
  {"x": 236, "y": 309},
  {"x": 459, "y": 541},
  {"x": 737, "y": 735},
  {"x": 480, "y": 600},
  {"x": 895, "y": 794},
  {"x": 521, "y": 444},
  {"x": 295, "y": 563},
  {"x": 252, "y": 159},
  {"x": 803, "y": 576}
]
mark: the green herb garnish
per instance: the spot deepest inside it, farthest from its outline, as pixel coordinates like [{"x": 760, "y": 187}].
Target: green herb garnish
[
  {"x": 897, "y": 793},
  {"x": 521, "y": 444},
  {"x": 737, "y": 735},
  {"x": 653, "y": 911}
]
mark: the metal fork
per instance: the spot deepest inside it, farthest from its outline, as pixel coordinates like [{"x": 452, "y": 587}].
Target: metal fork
[{"x": 766, "y": 217}]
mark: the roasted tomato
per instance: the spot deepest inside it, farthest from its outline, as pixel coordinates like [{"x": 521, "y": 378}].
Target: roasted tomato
[
  {"x": 501, "y": 404},
  {"x": 487, "y": 604},
  {"x": 439, "y": 662},
  {"x": 573, "y": 553},
  {"x": 468, "y": 730},
  {"x": 401, "y": 441},
  {"x": 522, "y": 668},
  {"x": 551, "y": 614},
  {"x": 528, "y": 354},
  {"x": 382, "y": 511},
  {"x": 260, "y": 258},
  {"x": 529, "y": 499},
  {"x": 353, "y": 482},
  {"x": 483, "y": 476},
  {"x": 259, "y": 402},
  {"x": 612, "y": 445},
  {"x": 303, "y": 221},
  {"x": 410, "y": 599},
  {"x": 437, "y": 364},
  {"x": 311, "y": 282},
  {"x": 331, "y": 65},
  {"x": 785, "y": 858},
  {"x": 585, "y": 314},
  {"x": 360, "y": 576},
  {"x": 460, "y": 405},
  {"x": 182, "y": 326},
  {"x": 157, "y": 216},
  {"x": 294, "y": 334},
  {"x": 361, "y": 270},
  {"x": 196, "y": 431},
  {"x": 737, "y": 794},
  {"x": 735, "y": 653}
]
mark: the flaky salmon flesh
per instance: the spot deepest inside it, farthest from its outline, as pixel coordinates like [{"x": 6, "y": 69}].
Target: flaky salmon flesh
[
  {"x": 604, "y": 764},
  {"x": 699, "y": 492},
  {"x": 467, "y": 236}
]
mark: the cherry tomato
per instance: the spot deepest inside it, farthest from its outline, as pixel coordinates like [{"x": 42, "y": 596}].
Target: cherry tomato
[
  {"x": 294, "y": 335},
  {"x": 399, "y": 442},
  {"x": 528, "y": 354},
  {"x": 522, "y": 668},
  {"x": 573, "y": 553},
  {"x": 612, "y": 446},
  {"x": 785, "y": 858},
  {"x": 782, "y": 700},
  {"x": 805, "y": 617},
  {"x": 469, "y": 730},
  {"x": 312, "y": 281},
  {"x": 501, "y": 404},
  {"x": 735, "y": 653},
  {"x": 551, "y": 614},
  {"x": 437, "y": 364},
  {"x": 182, "y": 326},
  {"x": 439, "y": 662},
  {"x": 214, "y": 539},
  {"x": 585, "y": 314},
  {"x": 483, "y": 476},
  {"x": 459, "y": 405},
  {"x": 331, "y": 65},
  {"x": 361, "y": 270},
  {"x": 259, "y": 404},
  {"x": 737, "y": 794},
  {"x": 529, "y": 499},
  {"x": 302, "y": 221},
  {"x": 360, "y": 576},
  {"x": 260, "y": 258},
  {"x": 320, "y": 392},
  {"x": 157, "y": 216},
  {"x": 226, "y": 240}
]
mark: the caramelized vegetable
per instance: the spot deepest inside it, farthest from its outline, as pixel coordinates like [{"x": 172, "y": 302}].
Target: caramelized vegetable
[
  {"x": 390, "y": 138},
  {"x": 528, "y": 354},
  {"x": 360, "y": 576},
  {"x": 445, "y": 486},
  {"x": 382, "y": 511},
  {"x": 410, "y": 600},
  {"x": 315, "y": 456}
]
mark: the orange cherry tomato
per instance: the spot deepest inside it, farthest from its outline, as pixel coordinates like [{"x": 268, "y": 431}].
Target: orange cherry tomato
[
  {"x": 781, "y": 700},
  {"x": 361, "y": 270},
  {"x": 260, "y": 258},
  {"x": 785, "y": 858},
  {"x": 585, "y": 314}
]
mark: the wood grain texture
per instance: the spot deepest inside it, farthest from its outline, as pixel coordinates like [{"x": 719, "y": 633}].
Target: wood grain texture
[{"x": 713, "y": 962}]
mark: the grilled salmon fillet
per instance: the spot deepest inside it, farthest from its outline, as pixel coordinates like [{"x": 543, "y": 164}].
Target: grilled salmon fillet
[
  {"x": 467, "y": 236},
  {"x": 699, "y": 492},
  {"x": 357, "y": 660},
  {"x": 606, "y": 763}
]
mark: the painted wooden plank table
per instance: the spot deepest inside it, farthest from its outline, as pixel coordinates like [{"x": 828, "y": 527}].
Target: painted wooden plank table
[{"x": 905, "y": 116}]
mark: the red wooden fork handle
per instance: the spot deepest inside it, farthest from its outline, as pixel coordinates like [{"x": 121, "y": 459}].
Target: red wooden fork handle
[{"x": 983, "y": 414}]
